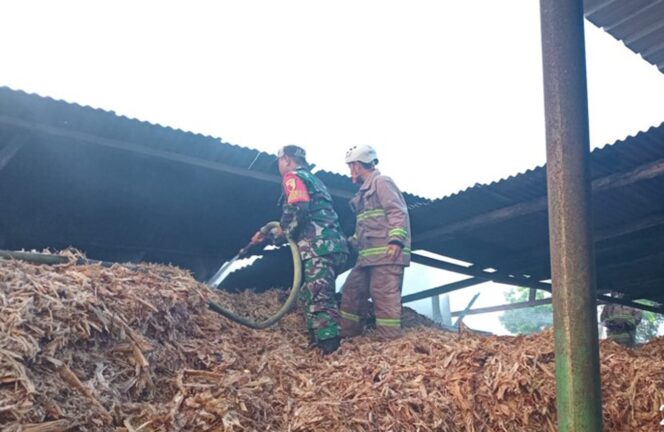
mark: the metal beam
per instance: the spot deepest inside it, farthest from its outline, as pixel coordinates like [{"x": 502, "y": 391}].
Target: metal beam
[
  {"x": 464, "y": 312},
  {"x": 601, "y": 300},
  {"x": 465, "y": 283},
  {"x": 630, "y": 303},
  {"x": 649, "y": 288},
  {"x": 649, "y": 260},
  {"x": 514, "y": 281},
  {"x": 87, "y": 138},
  {"x": 629, "y": 228},
  {"x": 504, "y": 307},
  {"x": 450, "y": 230},
  {"x": 474, "y": 271},
  {"x": 608, "y": 257},
  {"x": 530, "y": 261},
  {"x": 532, "y": 295},
  {"x": 578, "y": 396},
  {"x": 640, "y": 173}
]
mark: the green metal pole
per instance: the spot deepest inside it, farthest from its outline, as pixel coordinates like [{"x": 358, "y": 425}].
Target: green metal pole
[{"x": 578, "y": 394}]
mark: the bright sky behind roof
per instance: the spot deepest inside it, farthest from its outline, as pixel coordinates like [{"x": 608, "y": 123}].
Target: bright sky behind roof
[
  {"x": 449, "y": 93},
  {"x": 450, "y": 89}
]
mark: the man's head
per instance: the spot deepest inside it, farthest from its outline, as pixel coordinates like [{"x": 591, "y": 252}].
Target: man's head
[
  {"x": 290, "y": 157},
  {"x": 361, "y": 161}
]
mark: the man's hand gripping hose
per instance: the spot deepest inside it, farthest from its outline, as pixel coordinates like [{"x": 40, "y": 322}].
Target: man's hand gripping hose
[{"x": 259, "y": 237}]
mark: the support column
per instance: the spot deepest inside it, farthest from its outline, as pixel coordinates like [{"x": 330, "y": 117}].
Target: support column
[
  {"x": 440, "y": 306},
  {"x": 435, "y": 309},
  {"x": 572, "y": 262},
  {"x": 445, "y": 313}
]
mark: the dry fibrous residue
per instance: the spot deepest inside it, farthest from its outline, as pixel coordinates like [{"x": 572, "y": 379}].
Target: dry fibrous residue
[{"x": 86, "y": 347}]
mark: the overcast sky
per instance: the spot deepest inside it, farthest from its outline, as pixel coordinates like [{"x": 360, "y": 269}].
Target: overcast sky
[{"x": 449, "y": 93}]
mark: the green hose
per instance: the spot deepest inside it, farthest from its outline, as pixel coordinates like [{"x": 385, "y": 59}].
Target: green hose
[{"x": 295, "y": 289}]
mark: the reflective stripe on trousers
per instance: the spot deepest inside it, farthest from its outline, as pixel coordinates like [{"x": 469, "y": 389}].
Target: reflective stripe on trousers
[{"x": 383, "y": 284}]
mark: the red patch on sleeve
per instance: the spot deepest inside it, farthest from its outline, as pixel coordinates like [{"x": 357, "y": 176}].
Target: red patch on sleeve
[{"x": 294, "y": 189}]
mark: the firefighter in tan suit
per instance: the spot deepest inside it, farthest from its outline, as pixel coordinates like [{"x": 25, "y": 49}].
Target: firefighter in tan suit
[{"x": 382, "y": 241}]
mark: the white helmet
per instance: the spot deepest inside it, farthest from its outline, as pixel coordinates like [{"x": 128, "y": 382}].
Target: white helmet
[{"x": 363, "y": 153}]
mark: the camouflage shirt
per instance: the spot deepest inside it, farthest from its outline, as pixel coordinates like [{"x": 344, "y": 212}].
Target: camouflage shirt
[
  {"x": 619, "y": 316},
  {"x": 308, "y": 215}
]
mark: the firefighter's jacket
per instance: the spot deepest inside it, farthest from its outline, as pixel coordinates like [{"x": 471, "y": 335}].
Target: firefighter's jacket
[{"x": 381, "y": 218}]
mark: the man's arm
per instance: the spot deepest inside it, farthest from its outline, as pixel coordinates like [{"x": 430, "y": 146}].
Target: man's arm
[
  {"x": 396, "y": 212},
  {"x": 296, "y": 208}
]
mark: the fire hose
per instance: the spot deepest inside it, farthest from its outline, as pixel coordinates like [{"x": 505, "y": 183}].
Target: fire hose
[{"x": 295, "y": 288}]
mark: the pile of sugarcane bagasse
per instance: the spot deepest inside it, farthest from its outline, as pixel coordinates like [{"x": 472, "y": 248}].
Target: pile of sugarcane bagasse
[{"x": 92, "y": 348}]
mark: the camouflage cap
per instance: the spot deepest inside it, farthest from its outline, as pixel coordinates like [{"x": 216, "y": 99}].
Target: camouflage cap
[{"x": 292, "y": 151}]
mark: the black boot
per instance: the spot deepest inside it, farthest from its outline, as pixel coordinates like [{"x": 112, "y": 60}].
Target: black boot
[
  {"x": 328, "y": 346},
  {"x": 312, "y": 339}
]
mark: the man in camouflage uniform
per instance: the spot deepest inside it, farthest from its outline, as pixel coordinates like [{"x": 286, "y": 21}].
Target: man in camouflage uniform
[
  {"x": 382, "y": 240},
  {"x": 621, "y": 322},
  {"x": 309, "y": 218}
]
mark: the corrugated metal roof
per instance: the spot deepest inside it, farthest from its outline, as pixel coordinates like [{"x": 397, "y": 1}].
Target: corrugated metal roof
[
  {"x": 639, "y": 24},
  {"x": 123, "y": 189},
  {"x": 504, "y": 224}
]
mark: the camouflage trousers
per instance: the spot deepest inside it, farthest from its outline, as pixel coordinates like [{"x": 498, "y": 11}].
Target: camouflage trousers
[{"x": 317, "y": 295}]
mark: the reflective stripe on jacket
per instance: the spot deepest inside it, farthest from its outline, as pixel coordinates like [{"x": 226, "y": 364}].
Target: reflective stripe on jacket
[{"x": 382, "y": 218}]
